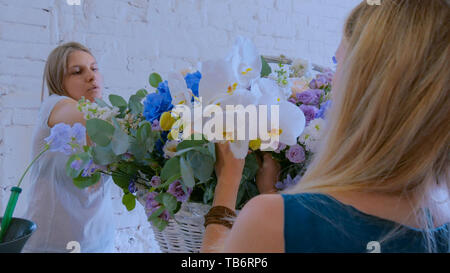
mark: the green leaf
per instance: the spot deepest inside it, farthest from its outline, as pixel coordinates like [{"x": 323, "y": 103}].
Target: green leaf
[
  {"x": 129, "y": 200},
  {"x": 118, "y": 102},
  {"x": 202, "y": 164},
  {"x": 84, "y": 182},
  {"x": 168, "y": 200},
  {"x": 186, "y": 173},
  {"x": 72, "y": 172},
  {"x": 102, "y": 103},
  {"x": 191, "y": 143},
  {"x": 266, "y": 70},
  {"x": 100, "y": 131},
  {"x": 159, "y": 223},
  {"x": 142, "y": 93},
  {"x": 155, "y": 79},
  {"x": 135, "y": 105},
  {"x": 104, "y": 155},
  {"x": 121, "y": 180},
  {"x": 120, "y": 142},
  {"x": 171, "y": 169}
]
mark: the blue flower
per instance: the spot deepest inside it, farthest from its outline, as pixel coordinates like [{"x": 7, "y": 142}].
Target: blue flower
[
  {"x": 192, "y": 81},
  {"x": 160, "y": 143},
  {"x": 158, "y": 103},
  {"x": 323, "y": 109},
  {"x": 132, "y": 186}
]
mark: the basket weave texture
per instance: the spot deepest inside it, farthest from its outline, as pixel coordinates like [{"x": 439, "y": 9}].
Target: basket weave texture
[{"x": 185, "y": 233}]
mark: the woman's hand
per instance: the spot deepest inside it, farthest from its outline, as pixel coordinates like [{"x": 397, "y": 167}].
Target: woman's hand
[
  {"x": 268, "y": 173},
  {"x": 229, "y": 174},
  {"x": 226, "y": 164}
]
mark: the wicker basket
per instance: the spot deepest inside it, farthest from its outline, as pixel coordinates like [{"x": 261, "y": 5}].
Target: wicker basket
[{"x": 185, "y": 236}]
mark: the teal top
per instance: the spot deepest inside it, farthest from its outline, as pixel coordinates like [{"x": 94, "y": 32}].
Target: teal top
[{"x": 318, "y": 223}]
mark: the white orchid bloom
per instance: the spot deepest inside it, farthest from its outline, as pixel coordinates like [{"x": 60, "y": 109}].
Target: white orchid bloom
[
  {"x": 178, "y": 89},
  {"x": 245, "y": 61},
  {"x": 291, "y": 119}
]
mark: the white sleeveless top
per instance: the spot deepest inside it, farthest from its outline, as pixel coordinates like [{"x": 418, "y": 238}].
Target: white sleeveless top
[{"x": 61, "y": 211}]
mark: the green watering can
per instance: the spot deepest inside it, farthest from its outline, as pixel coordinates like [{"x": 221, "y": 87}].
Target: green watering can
[{"x": 14, "y": 232}]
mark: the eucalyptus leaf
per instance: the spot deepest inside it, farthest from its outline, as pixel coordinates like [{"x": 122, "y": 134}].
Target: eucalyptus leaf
[
  {"x": 120, "y": 142},
  {"x": 84, "y": 182},
  {"x": 102, "y": 103},
  {"x": 104, "y": 155},
  {"x": 142, "y": 93},
  {"x": 117, "y": 101},
  {"x": 129, "y": 200},
  {"x": 171, "y": 169},
  {"x": 135, "y": 105},
  {"x": 159, "y": 223},
  {"x": 202, "y": 164},
  {"x": 187, "y": 173},
  {"x": 154, "y": 80},
  {"x": 168, "y": 200},
  {"x": 120, "y": 180},
  {"x": 100, "y": 131}
]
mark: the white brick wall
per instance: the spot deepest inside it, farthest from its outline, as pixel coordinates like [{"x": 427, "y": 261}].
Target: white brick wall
[{"x": 131, "y": 39}]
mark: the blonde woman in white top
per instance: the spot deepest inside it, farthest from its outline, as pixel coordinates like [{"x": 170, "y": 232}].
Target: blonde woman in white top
[{"x": 64, "y": 213}]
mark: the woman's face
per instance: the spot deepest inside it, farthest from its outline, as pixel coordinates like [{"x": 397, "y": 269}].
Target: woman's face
[
  {"x": 83, "y": 78},
  {"x": 340, "y": 55}
]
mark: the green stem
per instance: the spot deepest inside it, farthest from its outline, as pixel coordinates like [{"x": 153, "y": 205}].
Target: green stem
[{"x": 32, "y": 162}]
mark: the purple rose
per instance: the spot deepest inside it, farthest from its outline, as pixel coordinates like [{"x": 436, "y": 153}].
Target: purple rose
[
  {"x": 311, "y": 96},
  {"x": 151, "y": 205},
  {"x": 309, "y": 112},
  {"x": 176, "y": 189},
  {"x": 296, "y": 154},
  {"x": 155, "y": 181}
]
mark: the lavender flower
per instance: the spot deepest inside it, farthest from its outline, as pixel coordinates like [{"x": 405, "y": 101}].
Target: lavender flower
[
  {"x": 91, "y": 168},
  {"x": 64, "y": 138},
  {"x": 155, "y": 181},
  {"x": 76, "y": 164},
  {"x": 60, "y": 138},
  {"x": 296, "y": 154},
  {"x": 288, "y": 182},
  {"x": 176, "y": 189},
  {"x": 309, "y": 111}
]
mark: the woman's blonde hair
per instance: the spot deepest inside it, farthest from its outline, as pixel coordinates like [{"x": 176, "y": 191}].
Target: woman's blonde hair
[
  {"x": 56, "y": 67},
  {"x": 389, "y": 126}
]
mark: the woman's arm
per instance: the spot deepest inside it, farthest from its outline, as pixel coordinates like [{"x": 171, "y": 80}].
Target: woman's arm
[{"x": 256, "y": 219}]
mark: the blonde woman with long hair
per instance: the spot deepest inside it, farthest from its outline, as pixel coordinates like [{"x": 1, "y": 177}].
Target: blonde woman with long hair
[
  {"x": 381, "y": 180},
  {"x": 66, "y": 215}
]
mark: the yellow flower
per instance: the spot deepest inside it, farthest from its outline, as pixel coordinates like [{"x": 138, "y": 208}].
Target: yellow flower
[
  {"x": 166, "y": 121},
  {"x": 255, "y": 144}
]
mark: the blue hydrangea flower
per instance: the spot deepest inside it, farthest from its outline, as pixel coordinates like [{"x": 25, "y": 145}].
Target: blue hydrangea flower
[
  {"x": 192, "y": 81},
  {"x": 60, "y": 138},
  {"x": 157, "y": 103}
]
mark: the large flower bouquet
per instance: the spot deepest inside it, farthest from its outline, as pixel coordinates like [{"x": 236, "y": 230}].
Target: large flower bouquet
[{"x": 155, "y": 150}]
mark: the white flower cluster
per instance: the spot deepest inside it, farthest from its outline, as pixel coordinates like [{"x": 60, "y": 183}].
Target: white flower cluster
[
  {"x": 312, "y": 135},
  {"x": 93, "y": 110}
]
